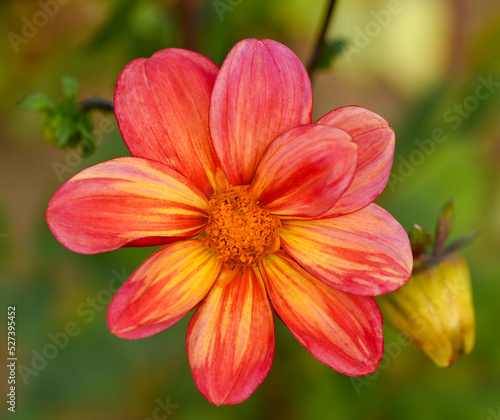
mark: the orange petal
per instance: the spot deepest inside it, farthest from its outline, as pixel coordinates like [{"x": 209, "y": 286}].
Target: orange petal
[
  {"x": 262, "y": 91},
  {"x": 162, "y": 107},
  {"x": 375, "y": 140},
  {"x": 366, "y": 252},
  {"x": 341, "y": 330},
  {"x": 230, "y": 340},
  {"x": 305, "y": 170},
  {"x": 125, "y": 201},
  {"x": 163, "y": 289}
]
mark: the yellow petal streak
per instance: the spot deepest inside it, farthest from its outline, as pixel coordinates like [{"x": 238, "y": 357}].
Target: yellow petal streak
[{"x": 239, "y": 230}]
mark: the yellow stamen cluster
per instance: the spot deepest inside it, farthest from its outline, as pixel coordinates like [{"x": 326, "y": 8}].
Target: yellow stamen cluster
[{"x": 239, "y": 230}]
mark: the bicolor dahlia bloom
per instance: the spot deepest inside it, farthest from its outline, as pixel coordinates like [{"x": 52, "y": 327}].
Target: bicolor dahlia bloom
[{"x": 259, "y": 212}]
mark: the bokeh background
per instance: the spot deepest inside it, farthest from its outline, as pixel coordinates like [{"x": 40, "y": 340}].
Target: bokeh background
[{"x": 418, "y": 63}]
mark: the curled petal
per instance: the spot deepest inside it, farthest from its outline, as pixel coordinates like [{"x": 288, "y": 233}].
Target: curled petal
[
  {"x": 375, "y": 140},
  {"x": 161, "y": 105},
  {"x": 262, "y": 91},
  {"x": 341, "y": 330},
  {"x": 230, "y": 340},
  {"x": 163, "y": 289},
  {"x": 125, "y": 201},
  {"x": 365, "y": 253},
  {"x": 305, "y": 170}
]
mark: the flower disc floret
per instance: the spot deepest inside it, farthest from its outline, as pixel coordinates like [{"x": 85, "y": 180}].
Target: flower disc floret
[{"x": 239, "y": 229}]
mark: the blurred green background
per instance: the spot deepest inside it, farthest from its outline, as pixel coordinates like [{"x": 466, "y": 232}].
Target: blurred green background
[{"x": 419, "y": 64}]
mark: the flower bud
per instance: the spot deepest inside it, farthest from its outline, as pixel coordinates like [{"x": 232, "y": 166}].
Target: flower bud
[
  {"x": 67, "y": 124},
  {"x": 434, "y": 310}
]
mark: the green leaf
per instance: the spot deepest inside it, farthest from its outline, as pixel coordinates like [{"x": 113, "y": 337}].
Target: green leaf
[
  {"x": 70, "y": 86},
  {"x": 37, "y": 102},
  {"x": 329, "y": 51}
]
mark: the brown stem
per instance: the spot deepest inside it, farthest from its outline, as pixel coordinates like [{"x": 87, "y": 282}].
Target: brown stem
[
  {"x": 189, "y": 15},
  {"x": 96, "y": 103},
  {"x": 320, "y": 42}
]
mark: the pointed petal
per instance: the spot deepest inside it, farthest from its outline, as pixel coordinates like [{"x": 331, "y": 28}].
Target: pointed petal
[
  {"x": 262, "y": 91},
  {"x": 375, "y": 140},
  {"x": 305, "y": 170},
  {"x": 163, "y": 289},
  {"x": 366, "y": 252},
  {"x": 161, "y": 104},
  {"x": 125, "y": 201},
  {"x": 230, "y": 340},
  {"x": 341, "y": 330}
]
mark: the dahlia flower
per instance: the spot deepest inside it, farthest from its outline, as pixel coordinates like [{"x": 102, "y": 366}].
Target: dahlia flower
[{"x": 260, "y": 213}]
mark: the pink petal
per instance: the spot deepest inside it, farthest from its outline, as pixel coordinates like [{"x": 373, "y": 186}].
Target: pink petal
[
  {"x": 230, "y": 340},
  {"x": 375, "y": 140},
  {"x": 305, "y": 170},
  {"x": 262, "y": 91},
  {"x": 365, "y": 253},
  {"x": 161, "y": 105},
  {"x": 125, "y": 201},
  {"x": 341, "y": 330},
  {"x": 163, "y": 289}
]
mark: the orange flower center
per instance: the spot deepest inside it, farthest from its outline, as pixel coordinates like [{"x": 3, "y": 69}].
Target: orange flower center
[{"x": 239, "y": 230}]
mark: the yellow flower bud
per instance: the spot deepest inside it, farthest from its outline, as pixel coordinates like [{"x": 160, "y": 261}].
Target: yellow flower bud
[{"x": 434, "y": 310}]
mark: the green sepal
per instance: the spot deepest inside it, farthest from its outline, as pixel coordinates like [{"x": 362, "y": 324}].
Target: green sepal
[
  {"x": 69, "y": 86},
  {"x": 443, "y": 227},
  {"x": 87, "y": 146},
  {"x": 420, "y": 239},
  {"x": 461, "y": 242},
  {"x": 62, "y": 134},
  {"x": 37, "y": 102}
]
